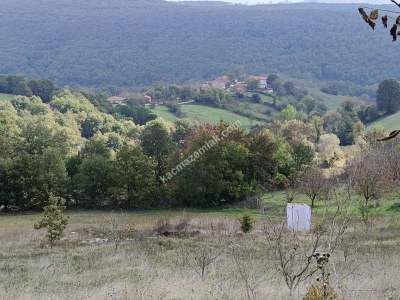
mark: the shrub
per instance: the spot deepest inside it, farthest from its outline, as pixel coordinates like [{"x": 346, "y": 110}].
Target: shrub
[
  {"x": 53, "y": 219},
  {"x": 318, "y": 292},
  {"x": 246, "y": 223},
  {"x": 118, "y": 230}
]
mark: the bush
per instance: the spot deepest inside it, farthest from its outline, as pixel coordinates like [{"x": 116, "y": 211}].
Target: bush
[
  {"x": 246, "y": 223},
  {"x": 318, "y": 292}
]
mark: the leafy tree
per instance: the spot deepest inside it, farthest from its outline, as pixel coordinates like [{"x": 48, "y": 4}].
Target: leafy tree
[
  {"x": 374, "y": 133},
  {"x": 309, "y": 103},
  {"x": 138, "y": 114},
  {"x": 273, "y": 80},
  {"x": 136, "y": 181},
  {"x": 368, "y": 113},
  {"x": 157, "y": 143},
  {"x": 36, "y": 176},
  {"x": 53, "y": 219},
  {"x": 388, "y": 96},
  {"x": 289, "y": 113},
  {"x": 91, "y": 125},
  {"x": 22, "y": 88},
  {"x": 44, "y": 89},
  {"x": 302, "y": 153},
  {"x": 94, "y": 175},
  {"x": 329, "y": 148},
  {"x": 345, "y": 132},
  {"x": 289, "y": 87},
  {"x": 263, "y": 166},
  {"x": 15, "y": 85},
  {"x": 181, "y": 132},
  {"x": 94, "y": 181},
  {"x": 217, "y": 177},
  {"x": 285, "y": 163},
  {"x": 39, "y": 168}
]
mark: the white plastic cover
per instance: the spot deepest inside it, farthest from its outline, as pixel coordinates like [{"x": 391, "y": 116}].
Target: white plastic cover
[{"x": 298, "y": 217}]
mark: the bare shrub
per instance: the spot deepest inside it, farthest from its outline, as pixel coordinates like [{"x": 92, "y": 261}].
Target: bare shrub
[
  {"x": 117, "y": 230},
  {"x": 294, "y": 252},
  {"x": 203, "y": 256},
  {"x": 241, "y": 256},
  {"x": 165, "y": 227},
  {"x": 369, "y": 177},
  {"x": 291, "y": 188},
  {"x": 313, "y": 183}
]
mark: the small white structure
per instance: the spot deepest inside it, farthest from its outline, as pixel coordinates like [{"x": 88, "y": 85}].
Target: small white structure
[{"x": 298, "y": 217}]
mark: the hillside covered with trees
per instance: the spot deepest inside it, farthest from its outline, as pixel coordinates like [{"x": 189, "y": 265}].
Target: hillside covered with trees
[
  {"x": 135, "y": 43},
  {"x": 97, "y": 156}
]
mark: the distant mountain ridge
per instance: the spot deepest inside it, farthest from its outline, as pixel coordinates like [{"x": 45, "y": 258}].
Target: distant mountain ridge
[{"x": 142, "y": 42}]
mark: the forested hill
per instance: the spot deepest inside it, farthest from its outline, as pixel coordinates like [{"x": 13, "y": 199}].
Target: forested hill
[{"x": 135, "y": 43}]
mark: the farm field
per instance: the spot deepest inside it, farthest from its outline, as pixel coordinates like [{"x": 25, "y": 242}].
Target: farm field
[
  {"x": 204, "y": 114},
  {"x": 88, "y": 263}
]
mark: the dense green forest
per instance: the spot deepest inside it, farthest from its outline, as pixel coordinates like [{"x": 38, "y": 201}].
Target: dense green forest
[{"x": 136, "y": 43}]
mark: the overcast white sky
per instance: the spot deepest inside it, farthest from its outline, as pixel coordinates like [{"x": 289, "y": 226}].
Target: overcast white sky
[{"x": 293, "y": 1}]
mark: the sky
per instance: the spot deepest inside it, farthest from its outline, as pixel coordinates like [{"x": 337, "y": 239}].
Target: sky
[{"x": 294, "y": 1}]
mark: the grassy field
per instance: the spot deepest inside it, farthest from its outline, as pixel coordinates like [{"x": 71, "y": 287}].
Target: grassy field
[
  {"x": 163, "y": 112},
  {"x": 90, "y": 263},
  {"x": 391, "y": 122},
  {"x": 204, "y": 114},
  {"x": 331, "y": 101}
]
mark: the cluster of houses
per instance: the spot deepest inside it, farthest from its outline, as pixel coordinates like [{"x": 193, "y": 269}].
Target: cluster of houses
[{"x": 251, "y": 84}]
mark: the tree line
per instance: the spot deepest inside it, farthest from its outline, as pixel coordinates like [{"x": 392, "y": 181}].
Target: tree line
[{"x": 18, "y": 85}]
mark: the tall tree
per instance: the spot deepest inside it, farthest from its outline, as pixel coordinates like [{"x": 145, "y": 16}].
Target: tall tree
[
  {"x": 388, "y": 96},
  {"x": 136, "y": 181},
  {"x": 157, "y": 143},
  {"x": 44, "y": 89}
]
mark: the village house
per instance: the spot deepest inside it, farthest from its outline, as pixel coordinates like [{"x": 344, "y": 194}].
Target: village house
[
  {"x": 114, "y": 100},
  {"x": 239, "y": 88},
  {"x": 147, "y": 99},
  {"x": 262, "y": 83}
]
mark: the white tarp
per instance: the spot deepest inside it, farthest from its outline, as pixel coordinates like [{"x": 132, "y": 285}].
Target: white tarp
[{"x": 298, "y": 217}]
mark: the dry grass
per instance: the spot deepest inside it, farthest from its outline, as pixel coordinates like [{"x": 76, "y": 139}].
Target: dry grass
[{"x": 85, "y": 265}]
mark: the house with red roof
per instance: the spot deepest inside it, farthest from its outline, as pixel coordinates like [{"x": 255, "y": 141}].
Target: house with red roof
[{"x": 117, "y": 100}]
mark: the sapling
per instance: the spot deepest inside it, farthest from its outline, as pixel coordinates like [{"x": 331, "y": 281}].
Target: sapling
[
  {"x": 53, "y": 219},
  {"x": 246, "y": 223}
]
